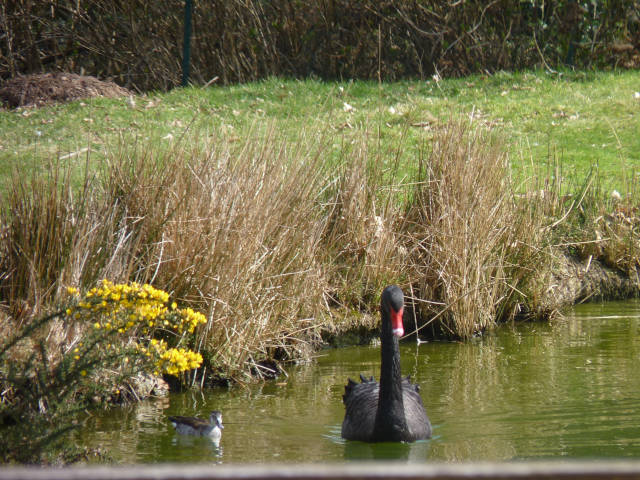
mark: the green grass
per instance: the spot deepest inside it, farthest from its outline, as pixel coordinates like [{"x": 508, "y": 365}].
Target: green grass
[{"x": 584, "y": 120}]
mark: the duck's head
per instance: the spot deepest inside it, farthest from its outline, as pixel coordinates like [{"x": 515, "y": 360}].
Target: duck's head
[{"x": 216, "y": 419}]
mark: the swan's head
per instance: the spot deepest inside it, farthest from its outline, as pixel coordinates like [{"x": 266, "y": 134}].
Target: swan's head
[{"x": 392, "y": 304}]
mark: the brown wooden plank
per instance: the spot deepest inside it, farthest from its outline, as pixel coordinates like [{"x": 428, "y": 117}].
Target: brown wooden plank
[{"x": 579, "y": 470}]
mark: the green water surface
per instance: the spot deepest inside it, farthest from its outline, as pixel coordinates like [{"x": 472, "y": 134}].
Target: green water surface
[{"x": 570, "y": 389}]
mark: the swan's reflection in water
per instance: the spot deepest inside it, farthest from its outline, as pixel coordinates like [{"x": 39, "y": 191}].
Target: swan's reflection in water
[
  {"x": 398, "y": 451},
  {"x": 416, "y": 452}
]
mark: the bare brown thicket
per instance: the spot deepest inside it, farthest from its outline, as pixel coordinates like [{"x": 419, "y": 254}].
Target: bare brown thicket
[{"x": 138, "y": 43}]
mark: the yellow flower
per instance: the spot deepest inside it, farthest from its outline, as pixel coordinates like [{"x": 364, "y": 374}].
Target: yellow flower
[
  {"x": 136, "y": 310},
  {"x": 83, "y": 373}
]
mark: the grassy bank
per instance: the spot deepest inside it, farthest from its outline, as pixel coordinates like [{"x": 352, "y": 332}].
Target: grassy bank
[
  {"x": 281, "y": 209},
  {"x": 582, "y": 119}
]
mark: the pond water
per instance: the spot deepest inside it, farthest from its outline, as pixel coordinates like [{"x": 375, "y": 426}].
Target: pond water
[{"x": 527, "y": 391}]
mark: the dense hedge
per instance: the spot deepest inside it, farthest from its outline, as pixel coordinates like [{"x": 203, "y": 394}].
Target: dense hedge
[{"x": 138, "y": 43}]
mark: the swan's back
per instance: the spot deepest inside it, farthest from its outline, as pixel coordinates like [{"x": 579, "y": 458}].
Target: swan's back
[
  {"x": 417, "y": 420},
  {"x": 361, "y": 405}
]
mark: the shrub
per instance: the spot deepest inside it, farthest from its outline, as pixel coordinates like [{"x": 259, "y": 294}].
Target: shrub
[
  {"x": 139, "y": 314},
  {"x": 44, "y": 387},
  {"x": 53, "y": 367}
]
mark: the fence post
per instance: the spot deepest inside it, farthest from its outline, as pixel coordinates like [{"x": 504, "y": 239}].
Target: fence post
[{"x": 186, "y": 46}]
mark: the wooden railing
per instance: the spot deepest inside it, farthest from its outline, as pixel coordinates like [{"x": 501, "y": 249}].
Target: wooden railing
[{"x": 581, "y": 470}]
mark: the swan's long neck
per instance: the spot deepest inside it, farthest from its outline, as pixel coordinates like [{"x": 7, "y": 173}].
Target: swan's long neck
[{"x": 390, "y": 423}]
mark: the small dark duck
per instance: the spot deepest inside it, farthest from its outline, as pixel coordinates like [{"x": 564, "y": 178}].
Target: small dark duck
[{"x": 198, "y": 426}]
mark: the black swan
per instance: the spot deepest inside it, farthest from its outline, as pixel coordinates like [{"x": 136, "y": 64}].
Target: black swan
[
  {"x": 391, "y": 411},
  {"x": 198, "y": 426}
]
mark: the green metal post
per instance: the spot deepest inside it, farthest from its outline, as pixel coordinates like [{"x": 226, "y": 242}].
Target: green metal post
[{"x": 186, "y": 47}]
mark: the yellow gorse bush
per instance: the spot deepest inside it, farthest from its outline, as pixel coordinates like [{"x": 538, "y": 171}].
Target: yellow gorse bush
[
  {"x": 138, "y": 313},
  {"x": 176, "y": 360}
]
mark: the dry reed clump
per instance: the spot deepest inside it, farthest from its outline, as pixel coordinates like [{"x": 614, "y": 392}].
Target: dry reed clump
[
  {"x": 474, "y": 249},
  {"x": 231, "y": 229},
  {"x": 266, "y": 236},
  {"x": 243, "y": 241},
  {"x": 245, "y": 244},
  {"x": 50, "y": 236},
  {"x": 362, "y": 246}
]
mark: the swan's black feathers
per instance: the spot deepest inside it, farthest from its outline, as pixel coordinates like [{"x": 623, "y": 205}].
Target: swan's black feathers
[
  {"x": 407, "y": 379},
  {"x": 361, "y": 399},
  {"x": 348, "y": 388}
]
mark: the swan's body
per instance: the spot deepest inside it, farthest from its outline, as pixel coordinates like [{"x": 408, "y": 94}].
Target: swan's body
[
  {"x": 392, "y": 410},
  {"x": 361, "y": 402},
  {"x": 198, "y": 426}
]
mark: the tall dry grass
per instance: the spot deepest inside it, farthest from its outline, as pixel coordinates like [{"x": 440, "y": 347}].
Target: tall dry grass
[
  {"x": 606, "y": 226},
  {"x": 233, "y": 230},
  {"x": 475, "y": 249},
  {"x": 362, "y": 247},
  {"x": 52, "y": 234},
  {"x": 280, "y": 241},
  {"x": 243, "y": 243}
]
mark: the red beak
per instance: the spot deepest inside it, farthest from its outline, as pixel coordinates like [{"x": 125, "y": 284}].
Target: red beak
[{"x": 396, "y": 322}]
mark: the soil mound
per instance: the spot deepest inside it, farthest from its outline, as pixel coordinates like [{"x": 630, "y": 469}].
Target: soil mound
[{"x": 48, "y": 88}]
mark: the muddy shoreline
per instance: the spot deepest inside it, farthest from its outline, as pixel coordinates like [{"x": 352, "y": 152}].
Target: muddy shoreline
[{"x": 577, "y": 281}]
